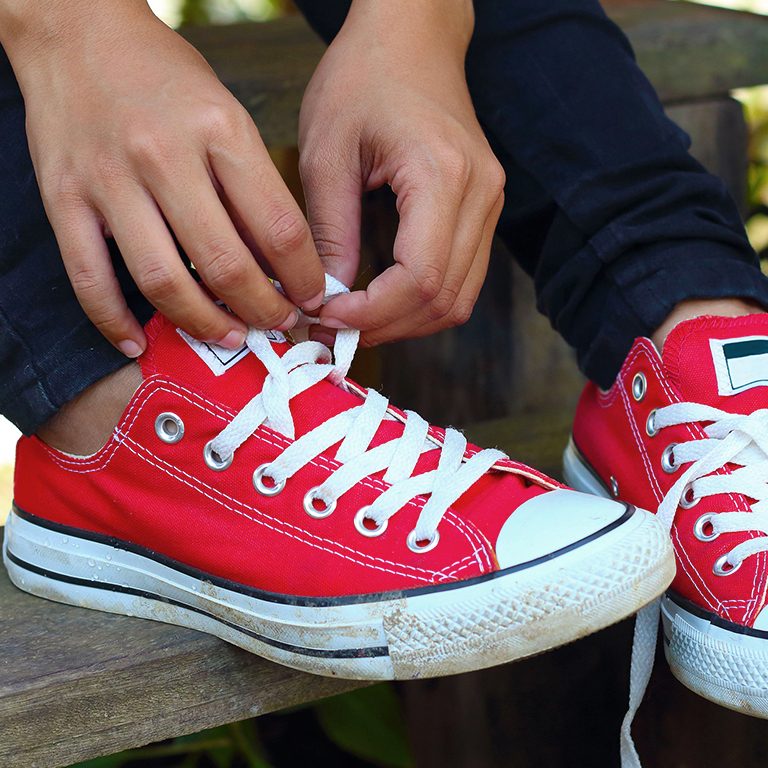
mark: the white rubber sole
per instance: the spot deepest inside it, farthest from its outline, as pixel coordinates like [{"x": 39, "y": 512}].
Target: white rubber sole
[
  {"x": 729, "y": 668},
  {"x": 719, "y": 661},
  {"x": 425, "y": 632}
]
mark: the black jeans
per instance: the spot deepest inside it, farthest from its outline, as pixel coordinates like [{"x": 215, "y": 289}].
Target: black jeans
[{"x": 605, "y": 208}]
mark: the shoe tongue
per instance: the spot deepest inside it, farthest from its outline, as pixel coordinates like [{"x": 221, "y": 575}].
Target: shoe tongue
[
  {"x": 205, "y": 367},
  {"x": 720, "y": 361},
  {"x": 232, "y": 377}
]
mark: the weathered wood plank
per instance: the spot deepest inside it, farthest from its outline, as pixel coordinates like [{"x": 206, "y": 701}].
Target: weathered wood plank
[
  {"x": 720, "y": 140},
  {"x": 77, "y": 684},
  {"x": 688, "y": 51},
  {"x": 694, "y": 51}
]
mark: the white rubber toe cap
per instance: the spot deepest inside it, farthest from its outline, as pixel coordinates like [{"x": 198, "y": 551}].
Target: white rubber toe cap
[{"x": 555, "y": 521}]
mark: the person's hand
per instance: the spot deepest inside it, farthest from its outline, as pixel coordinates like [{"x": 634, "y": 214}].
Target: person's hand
[
  {"x": 133, "y": 136},
  {"x": 389, "y": 104}
]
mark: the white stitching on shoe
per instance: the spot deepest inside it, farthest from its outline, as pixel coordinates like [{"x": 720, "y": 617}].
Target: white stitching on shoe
[
  {"x": 154, "y": 386},
  {"x": 210, "y": 493},
  {"x": 607, "y": 398}
]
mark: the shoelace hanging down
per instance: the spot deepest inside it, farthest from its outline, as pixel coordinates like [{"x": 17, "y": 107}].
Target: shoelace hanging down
[
  {"x": 302, "y": 367},
  {"x": 731, "y": 439}
]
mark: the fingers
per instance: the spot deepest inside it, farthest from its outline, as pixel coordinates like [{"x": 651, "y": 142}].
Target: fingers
[
  {"x": 467, "y": 297},
  {"x": 205, "y": 230},
  {"x": 89, "y": 266},
  {"x": 262, "y": 203},
  {"x": 468, "y": 257},
  {"x": 333, "y": 191},
  {"x": 153, "y": 261},
  {"x": 422, "y": 251}
]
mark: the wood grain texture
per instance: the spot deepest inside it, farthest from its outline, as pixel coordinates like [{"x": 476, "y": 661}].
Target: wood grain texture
[
  {"x": 687, "y": 51},
  {"x": 76, "y": 684},
  {"x": 693, "y": 51}
]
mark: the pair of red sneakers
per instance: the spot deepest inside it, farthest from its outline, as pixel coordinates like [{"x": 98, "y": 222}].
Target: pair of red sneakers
[{"x": 263, "y": 497}]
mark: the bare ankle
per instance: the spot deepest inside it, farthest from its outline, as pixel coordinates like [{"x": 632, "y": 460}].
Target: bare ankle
[
  {"x": 85, "y": 424},
  {"x": 686, "y": 310}
]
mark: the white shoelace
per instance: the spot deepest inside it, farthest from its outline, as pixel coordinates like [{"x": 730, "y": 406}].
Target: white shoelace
[
  {"x": 302, "y": 367},
  {"x": 738, "y": 440}
]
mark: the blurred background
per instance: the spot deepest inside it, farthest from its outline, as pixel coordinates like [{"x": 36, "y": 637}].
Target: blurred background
[{"x": 367, "y": 728}]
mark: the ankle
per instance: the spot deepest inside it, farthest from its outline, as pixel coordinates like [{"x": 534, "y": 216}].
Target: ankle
[
  {"x": 84, "y": 425},
  {"x": 687, "y": 310}
]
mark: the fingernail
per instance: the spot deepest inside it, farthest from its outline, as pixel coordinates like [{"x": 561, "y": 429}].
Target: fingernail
[
  {"x": 233, "y": 340},
  {"x": 332, "y": 322},
  {"x": 311, "y": 306},
  {"x": 289, "y": 321},
  {"x": 129, "y": 348},
  {"x": 324, "y": 337}
]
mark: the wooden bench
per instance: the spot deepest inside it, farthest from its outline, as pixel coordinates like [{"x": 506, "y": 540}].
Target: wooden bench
[{"x": 76, "y": 684}]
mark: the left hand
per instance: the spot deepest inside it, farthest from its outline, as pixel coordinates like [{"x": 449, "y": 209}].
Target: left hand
[{"x": 389, "y": 104}]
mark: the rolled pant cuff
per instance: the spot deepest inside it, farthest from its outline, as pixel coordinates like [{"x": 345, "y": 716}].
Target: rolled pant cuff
[{"x": 645, "y": 286}]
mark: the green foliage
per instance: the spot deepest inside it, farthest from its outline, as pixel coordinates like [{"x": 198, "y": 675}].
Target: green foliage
[
  {"x": 195, "y": 12},
  {"x": 755, "y": 102},
  {"x": 217, "y": 746},
  {"x": 368, "y": 723},
  {"x": 218, "y": 11}
]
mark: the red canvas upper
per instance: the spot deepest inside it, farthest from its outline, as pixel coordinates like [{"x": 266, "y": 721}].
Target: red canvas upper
[
  {"x": 165, "y": 498},
  {"x": 610, "y": 432}
]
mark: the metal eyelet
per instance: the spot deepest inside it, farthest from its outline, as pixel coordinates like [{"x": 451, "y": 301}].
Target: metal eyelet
[
  {"x": 699, "y": 528},
  {"x": 639, "y": 386},
  {"x": 688, "y": 500},
  {"x": 415, "y": 546},
  {"x": 169, "y": 428},
  {"x": 614, "y": 487},
  {"x": 363, "y": 529},
  {"x": 214, "y": 461},
  {"x": 650, "y": 424},
  {"x": 309, "y": 505},
  {"x": 261, "y": 487},
  {"x": 668, "y": 459},
  {"x": 723, "y": 568}
]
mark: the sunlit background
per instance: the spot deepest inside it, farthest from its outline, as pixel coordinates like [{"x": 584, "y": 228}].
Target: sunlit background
[{"x": 177, "y": 12}]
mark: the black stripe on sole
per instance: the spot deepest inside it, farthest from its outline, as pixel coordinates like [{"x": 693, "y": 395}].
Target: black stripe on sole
[
  {"x": 714, "y": 619},
  {"x": 342, "y": 653},
  {"x": 314, "y": 602}
]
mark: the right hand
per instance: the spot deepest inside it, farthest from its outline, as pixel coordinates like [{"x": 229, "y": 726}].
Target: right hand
[{"x": 133, "y": 136}]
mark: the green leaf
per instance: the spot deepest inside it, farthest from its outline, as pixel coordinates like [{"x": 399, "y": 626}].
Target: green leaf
[
  {"x": 246, "y": 737},
  {"x": 368, "y": 724},
  {"x": 111, "y": 761}
]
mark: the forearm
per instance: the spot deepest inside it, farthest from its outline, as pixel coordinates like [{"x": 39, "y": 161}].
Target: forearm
[
  {"x": 405, "y": 27},
  {"x": 30, "y": 31}
]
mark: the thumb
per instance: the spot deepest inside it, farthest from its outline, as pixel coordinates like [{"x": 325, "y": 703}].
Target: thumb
[{"x": 333, "y": 191}]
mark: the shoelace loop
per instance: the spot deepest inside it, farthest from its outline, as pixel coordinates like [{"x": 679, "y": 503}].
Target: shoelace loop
[
  {"x": 738, "y": 440},
  {"x": 307, "y": 364}
]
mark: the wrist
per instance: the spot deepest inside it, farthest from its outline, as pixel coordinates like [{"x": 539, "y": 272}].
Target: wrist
[
  {"x": 30, "y": 31},
  {"x": 448, "y": 23}
]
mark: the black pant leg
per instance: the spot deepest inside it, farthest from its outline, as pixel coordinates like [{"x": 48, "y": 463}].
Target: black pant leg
[
  {"x": 49, "y": 350},
  {"x": 605, "y": 207}
]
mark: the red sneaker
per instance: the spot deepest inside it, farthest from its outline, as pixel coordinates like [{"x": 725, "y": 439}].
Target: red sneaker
[
  {"x": 339, "y": 535},
  {"x": 687, "y": 433}
]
